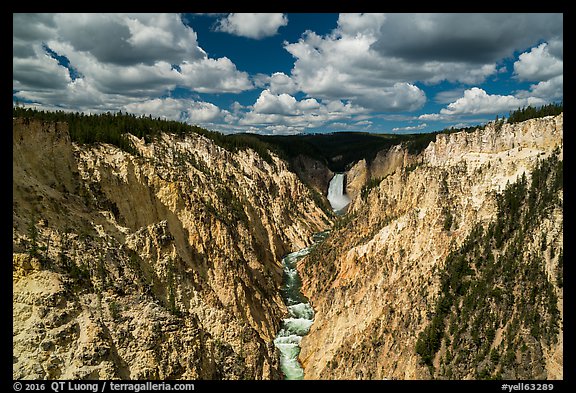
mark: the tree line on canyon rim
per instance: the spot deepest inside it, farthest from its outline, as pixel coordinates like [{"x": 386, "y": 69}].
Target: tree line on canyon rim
[{"x": 335, "y": 150}]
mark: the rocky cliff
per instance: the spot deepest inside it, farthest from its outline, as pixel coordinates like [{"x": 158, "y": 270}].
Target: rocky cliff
[
  {"x": 362, "y": 174},
  {"x": 312, "y": 172},
  {"x": 162, "y": 264},
  {"x": 411, "y": 283}
]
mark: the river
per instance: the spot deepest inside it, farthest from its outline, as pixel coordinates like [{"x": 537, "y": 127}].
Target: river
[{"x": 300, "y": 313}]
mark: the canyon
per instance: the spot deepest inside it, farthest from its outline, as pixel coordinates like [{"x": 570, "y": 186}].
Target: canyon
[
  {"x": 160, "y": 265},
  {"x": 166, "y": 263},
  {"x": 374, "y": 283}
]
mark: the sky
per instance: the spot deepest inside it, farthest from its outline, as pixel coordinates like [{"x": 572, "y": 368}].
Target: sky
[{"x": 277, "y": 73}]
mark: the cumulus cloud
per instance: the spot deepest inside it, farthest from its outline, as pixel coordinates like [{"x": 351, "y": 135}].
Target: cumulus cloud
[
  {"x": 283, "y": 104},
  {"x": 431, "y": 117},
  {"x": 255, "y": 26},
  {"x": 541, "y": 63},
  {"x": 269, "y": 103},
  {"x": 478, "y": 101},
  {"x": 277, "y": 83},
  {"x": 126, "y": 39},
  {"x": 194, "y": 112},
  {"x": 538, "y": 64},
  {"x": 375, "y": 60},
  {"x": 285, "y": 110},
  {"x": 120, "y": 58},
  {"x": 410, "y": 128},
  {"x": 549, "y": 91},
  {"x": 282, "y": 83},
  {"x": 343, "y": 67},
  {"x": 135, "y": 80},
  {"x": 544, "y": 64},
  {"x": 79, "y": 94},
  {"x": 279, "y": 129},
  {"x": 370, "y": 66},
  {"x": 214, "y": 76}
]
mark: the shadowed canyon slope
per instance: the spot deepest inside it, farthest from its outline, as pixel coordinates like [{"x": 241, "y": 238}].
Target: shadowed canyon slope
[{"x": 164, "y": 264}]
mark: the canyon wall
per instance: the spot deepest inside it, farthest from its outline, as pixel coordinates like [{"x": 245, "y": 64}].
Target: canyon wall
[
  {"x": 163, "y": 264},
  {"x": 376, "y": 284},
  {"x": 385, "y": 163}
]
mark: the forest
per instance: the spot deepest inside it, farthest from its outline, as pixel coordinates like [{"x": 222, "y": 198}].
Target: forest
[
  {"x": 338, "y": 151},
  {"x": 112, "y": 128},
  {"x": 496, "y": 282},
  {"x": 531, "y": 112}
]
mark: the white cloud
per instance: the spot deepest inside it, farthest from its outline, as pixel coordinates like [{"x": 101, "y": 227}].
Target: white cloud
[
  {"x": 361, "y": 23},
  {"x": 344, "y": 67},
  {"x": 375, "y": 60},
  {"x": 477, "y": 101},
  {"x": 308, "y": 104},
  {"x": 237, "y": 107},
  {"x": 410, "y": 128},
  {"x": 550, "y": 90},
  {"x": 431, "y": 117},
  {"x": 368, "y": 63},
  {"x": 285, "y": 104},
  {"x": 282, "y": 83},
  {"x": 78, "y": 94},
  {"x": 192, "y": 112},
  {"x": 277, "y": 83},
  {"x": 126, "y": 39},
  {"x": 166, "y": 108},
  {"x": 285, "y": 110},
  {"x": 255, "y": 26},
  {"x": 203, "y": 112},
  {"x": 269, "y": 103},
  {"x": 134, "y": 80},
  {"x": 280, "y": 129},
  {"x": 201, "y": 74},
  {"x": 538, "y": 64},
  {"x": 542, "y": 63},
  {"x": 120, "y": 58},
  {"x": 214, "y": 76}
]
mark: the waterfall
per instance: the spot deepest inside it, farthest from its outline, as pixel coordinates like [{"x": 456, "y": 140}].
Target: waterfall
[{"x": 336, "y": 196}]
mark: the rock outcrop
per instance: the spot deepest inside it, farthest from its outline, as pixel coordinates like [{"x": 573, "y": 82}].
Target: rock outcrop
[
  {"x": 313, "y": 172},
  {"x": 375, "y": 282},
  {"x": 385, "y": 163},
  {"x": 163, "y": 264}
]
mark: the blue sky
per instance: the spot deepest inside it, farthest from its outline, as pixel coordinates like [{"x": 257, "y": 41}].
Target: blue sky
[{"x": 291, "y": 73}]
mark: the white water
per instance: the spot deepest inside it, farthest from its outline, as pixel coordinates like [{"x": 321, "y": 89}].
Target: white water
[
  {"x": 301, "y": 315},
  {"x": 336, "y": 196}
]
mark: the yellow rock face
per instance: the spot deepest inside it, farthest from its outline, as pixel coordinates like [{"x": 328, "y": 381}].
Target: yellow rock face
[
  {"x": 161, "y": 265},
  {"x": 379, "y": 277}
]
